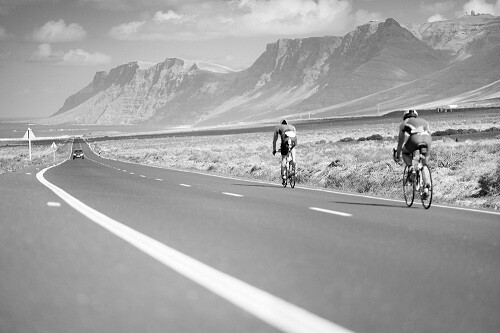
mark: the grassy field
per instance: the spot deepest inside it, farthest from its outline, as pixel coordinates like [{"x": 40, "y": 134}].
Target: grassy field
[
  {"x": 13, "y": 158},
  {"x": 466, "y": 168},
  {"x": 465, "y": 173}
]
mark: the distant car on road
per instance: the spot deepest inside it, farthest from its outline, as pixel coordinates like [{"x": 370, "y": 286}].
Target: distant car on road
[{"x": 78, "y": 153}]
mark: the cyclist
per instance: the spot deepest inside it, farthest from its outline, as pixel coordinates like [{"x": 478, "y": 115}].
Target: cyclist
[
  {"x": 417, "y": 131},
  {"x": 288, "y": 136}
]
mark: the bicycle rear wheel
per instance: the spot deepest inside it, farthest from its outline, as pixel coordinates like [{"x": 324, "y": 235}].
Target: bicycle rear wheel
[
  {"x": 408, "y": 187},
  {"x": 284, "y": 180},
  {"x": 292, "y": 174},
  {"x": 426, "y": 199}
]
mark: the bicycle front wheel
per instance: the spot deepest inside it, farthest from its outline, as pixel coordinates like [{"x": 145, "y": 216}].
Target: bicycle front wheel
[
  {"x": 292, "y": 174},
  {"x": 426, "y": 197},
  {"x": 408, "y": 187}
]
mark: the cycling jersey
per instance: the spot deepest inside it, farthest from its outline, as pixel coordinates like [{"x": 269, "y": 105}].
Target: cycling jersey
[{"x": 418, "y": 130}]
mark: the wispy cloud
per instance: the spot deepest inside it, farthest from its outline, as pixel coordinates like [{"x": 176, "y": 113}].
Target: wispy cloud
[
  {"x": 482, "y": 7},
  {"x": 438, "y": 7},
  {"x": 58, "y": 31},
  {"x": 127, "y": 31},
  {"x": 45, "y": 54},
  {"x": 4, "y": 35},
  {"x": 212, "y": 19},
  {"x": 363, "y": 16},
  {"x": 436, "y": 18},
  {"x": 80, "y": 57},
  {"x": 133, "y": 5}
]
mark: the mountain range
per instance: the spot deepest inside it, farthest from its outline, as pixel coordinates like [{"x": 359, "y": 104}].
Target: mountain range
[{"x": 380, "y": 66}]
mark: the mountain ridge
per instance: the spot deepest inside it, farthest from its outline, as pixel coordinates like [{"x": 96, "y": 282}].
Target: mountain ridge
[{"x": 322, "y": 75}]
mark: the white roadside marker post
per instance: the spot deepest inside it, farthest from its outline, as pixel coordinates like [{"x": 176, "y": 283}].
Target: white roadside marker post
[
  {"x": 28, "y": 136},
  {"x": 29, "y": 140},
  {"x": 54, "y": 148}
]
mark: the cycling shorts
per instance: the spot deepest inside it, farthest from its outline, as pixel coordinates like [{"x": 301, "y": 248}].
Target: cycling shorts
[
  {"x": 414, "y": 140},
  {"x": 286, "y": 146}
]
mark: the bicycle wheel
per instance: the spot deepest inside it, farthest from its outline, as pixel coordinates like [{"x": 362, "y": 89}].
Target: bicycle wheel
[
  {"x": 426, "y": 199},
  {"x": 292, "y": 174},
  {"x": 408, "y": 187},
  {"x": 284, "y": 180}
]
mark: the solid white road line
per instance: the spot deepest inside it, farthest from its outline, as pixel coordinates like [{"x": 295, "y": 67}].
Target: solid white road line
[
  {"x": 330, "y": 211},
  {"x": 270, "y": 309},
  {"x": 232, "y": 194}
]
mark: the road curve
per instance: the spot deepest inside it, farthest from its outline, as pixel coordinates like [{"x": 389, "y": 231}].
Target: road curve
[{"x": 350, "y": 262}]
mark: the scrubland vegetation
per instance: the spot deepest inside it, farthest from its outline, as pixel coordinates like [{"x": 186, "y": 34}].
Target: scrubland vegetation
[
  {"x": 13, "y": 158},
  {"x": 465, "y": 173}
]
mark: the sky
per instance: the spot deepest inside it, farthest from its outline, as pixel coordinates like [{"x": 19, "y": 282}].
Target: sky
[{"x": 50, "y": 49}]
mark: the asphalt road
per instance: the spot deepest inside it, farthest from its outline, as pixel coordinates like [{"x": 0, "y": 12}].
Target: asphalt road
[{"x": 127, "y": 248}]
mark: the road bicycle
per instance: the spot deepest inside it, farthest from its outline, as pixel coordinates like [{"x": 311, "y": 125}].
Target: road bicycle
[
  {"x": 290, "y": 174},
  {"x": 413, "y": 180}
]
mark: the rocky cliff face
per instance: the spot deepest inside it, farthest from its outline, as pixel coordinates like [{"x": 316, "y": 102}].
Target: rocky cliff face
[
  {"x": 460, "y": 38},
  {"x": 356, "y": 73}
]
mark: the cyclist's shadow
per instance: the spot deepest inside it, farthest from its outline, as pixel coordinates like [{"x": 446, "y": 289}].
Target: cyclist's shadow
[
  {"x": 395, "y": 205},
  {"x": 258, "y": 185}
]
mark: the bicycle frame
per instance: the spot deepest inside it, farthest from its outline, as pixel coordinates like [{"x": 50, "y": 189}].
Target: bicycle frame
[
  {"x": 419, "y": 185},
  {"x": 413, "y": 180},
  {"x": 289, "y": 168}
]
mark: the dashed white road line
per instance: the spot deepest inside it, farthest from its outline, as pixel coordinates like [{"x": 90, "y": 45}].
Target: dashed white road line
[
  {"x": 159, "y": 179},
  {"x": 274, "y": 311},
  {"x": 53, "y": 204},
  {"x": 233, "y": 194},
  {"x": 330, "y": 211},
  {"x": 185, "y": 185},
  {"x": 142, "y": 176}
]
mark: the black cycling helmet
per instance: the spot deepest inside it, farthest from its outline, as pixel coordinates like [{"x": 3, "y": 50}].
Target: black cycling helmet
[
  {"x": 284, "y": 122},
  {"x": 410, "y": 114}
]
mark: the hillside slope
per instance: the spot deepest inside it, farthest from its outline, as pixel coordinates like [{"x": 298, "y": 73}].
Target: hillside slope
[{"x": 379, "y": 66}]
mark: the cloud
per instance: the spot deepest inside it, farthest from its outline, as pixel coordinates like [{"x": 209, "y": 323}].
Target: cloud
[
  {"x": 3, "y": 34},
  {"x": 126, "y": 31},
  {"x": 438, "y": 7},
  {"x": 482, "y": 7},
  {"x": 58, "y": 31},
  {"x": 362, "y": 16},
  {"x": 211, "y": 19},
  {"x": 132, "y": 5},
  {"x": 436, "y": 18},
  {"x": 78, "y": 57},
  {"x": 45, "y": 54},
  {"x": 171, "y": 16}
]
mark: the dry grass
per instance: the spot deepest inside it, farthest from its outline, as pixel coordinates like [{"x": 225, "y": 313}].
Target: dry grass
[
  {"x": 362, "y": 167},
  {"x": 13, "y": 158}
]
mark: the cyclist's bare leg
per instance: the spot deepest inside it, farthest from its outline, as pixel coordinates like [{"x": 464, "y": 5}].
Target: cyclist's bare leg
[
  {"x": 283, "y": 166},
  {"x": 294, "y": 156},
  {"x": 425, "y": 173}
]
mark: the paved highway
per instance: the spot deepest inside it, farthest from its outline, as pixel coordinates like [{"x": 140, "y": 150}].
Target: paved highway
[{"x": 96, "y": 245}]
